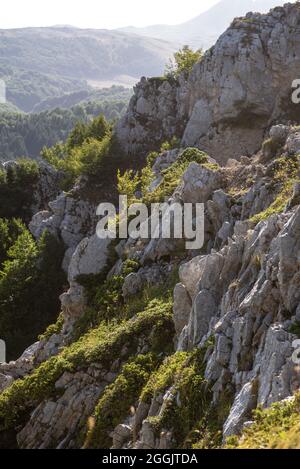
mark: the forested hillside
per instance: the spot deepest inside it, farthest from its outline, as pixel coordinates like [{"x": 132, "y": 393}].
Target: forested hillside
[
  {"x": 26, "y": 87},
  {"x": 41, "y": 63},
  {"x": 24, "y": 135},
  {"x": 105, "y": 100}
]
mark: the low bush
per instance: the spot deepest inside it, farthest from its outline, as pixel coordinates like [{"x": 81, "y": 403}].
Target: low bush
[{"x": 273, "y": 428}]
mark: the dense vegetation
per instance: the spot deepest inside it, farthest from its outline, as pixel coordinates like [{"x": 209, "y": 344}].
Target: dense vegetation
[
  {"x": 30, "y": 283},
  {"x": 26, "y": 88},
  {"x": 31, "y": 278},
  {"x": 26, "y": 134},
  {"x": 83, "y": 153},
  {"x": 91, "y": 151},
  {"x": 17, "y": 183},
  {"x": 102, "y": 344},
  {"x": 131, "y": 181},
  {"x": 108, "y": 101}
]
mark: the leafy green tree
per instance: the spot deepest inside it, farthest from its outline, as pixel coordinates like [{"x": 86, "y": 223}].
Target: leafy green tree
[
  {"x": 9, "y": 232},
  {"x": 84, "y": 153},
  {"x": 183, "y": 62},
  {"x": 25, "y": 135},
  {"x": 16, "y": 189},
  {"x": 128, "y": 184},
  {"x": 77, "y": 136},
  {"x": 98, "y": 128},
  {"x": 30, "y": 283}
]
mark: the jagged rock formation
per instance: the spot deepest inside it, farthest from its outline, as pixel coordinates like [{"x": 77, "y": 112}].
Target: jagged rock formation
[
  {"x": 68, "y": 218},
  {"x": 42, "y": 189},
  {"x": 244, "y": 292},
  {"x": 240, "y": 87},
  {"x": 138, "y": 373}
]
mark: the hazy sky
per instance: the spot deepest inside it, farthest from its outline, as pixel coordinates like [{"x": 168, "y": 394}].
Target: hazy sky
[{"x": 99, "y": 13}]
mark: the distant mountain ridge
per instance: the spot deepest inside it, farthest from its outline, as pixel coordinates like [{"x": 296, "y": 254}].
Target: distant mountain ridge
[
  {"x": 204, "y": 30},
  {"x": 42, "y": 63}
]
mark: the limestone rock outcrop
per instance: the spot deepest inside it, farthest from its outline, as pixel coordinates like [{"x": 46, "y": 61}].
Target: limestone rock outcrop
[
  {"x": 236, "y": 301},
  {"x": 241, "y": 86}
]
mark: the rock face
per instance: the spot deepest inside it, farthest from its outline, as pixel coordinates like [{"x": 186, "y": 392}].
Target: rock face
[
  {"x": 244, "y": 294},
  {"x": 240, "y": 86},
  {"x": 182, "y": 308},
  {"x": 68, "y": 218},
  {"x": 241, "y": 294},
  {"x": 90, "y": 257},
  {"x": 79, "y": 394},
  {"x": 47, "y": 187},
  {"x": 152, "y": 116}
]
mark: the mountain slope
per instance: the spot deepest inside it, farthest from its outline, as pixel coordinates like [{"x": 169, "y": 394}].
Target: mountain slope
[
  {"x": 204, "y": 30},
  {"x": 158, "y": 346},
  {"x": 24, "y": 135},
  {"x": 38, "y": 63}
]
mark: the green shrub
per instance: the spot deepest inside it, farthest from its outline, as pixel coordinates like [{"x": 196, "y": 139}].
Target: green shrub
[
  {"x": 295, "y": 329},
  {"x": 172, "y": 175},
  {"x": 131, "y": 181},
  {"x": 164, "y": 377},
  {"x": 167, "y": 146},
  {"x": 97, "y": 129},
  {"x": 128, "y": 184},
  {"x": 55, "y": 328},
  {"x": 85, "y": 153},
  {"x": 119, "y": 399},
  {"x": 184, "y": 374},
  {"x": 104, "y": 297},
  {"x": 273, "y": 428},
  {"x": 285, "y": 173},
  {"x": 100, "y": 345}
]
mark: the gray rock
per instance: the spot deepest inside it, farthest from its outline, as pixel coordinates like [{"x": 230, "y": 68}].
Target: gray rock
[
  {"x": 190, "y": 273},
  {"x": 199, "y": 183},
  {"x": 90, "y": 257},
  {"x": 288, "y": 275},
  {"x": 121, "y": 434},
  {"x": 181, "y": 308},
  {"x": 293, "y": 143},
  {"x": 298, "y": 313},
  {"x": 232, "y": 87},
  {"x": 204, "y": 309},
  {"x": 244, "y": 403},
  {"x": 279, "y": 133},
  {"x": 5, "y": 381}
]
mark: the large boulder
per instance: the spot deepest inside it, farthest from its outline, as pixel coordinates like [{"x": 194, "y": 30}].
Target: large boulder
[
  {"x": 199, "y": 183},
  {"x": 90, "y": 257}
]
